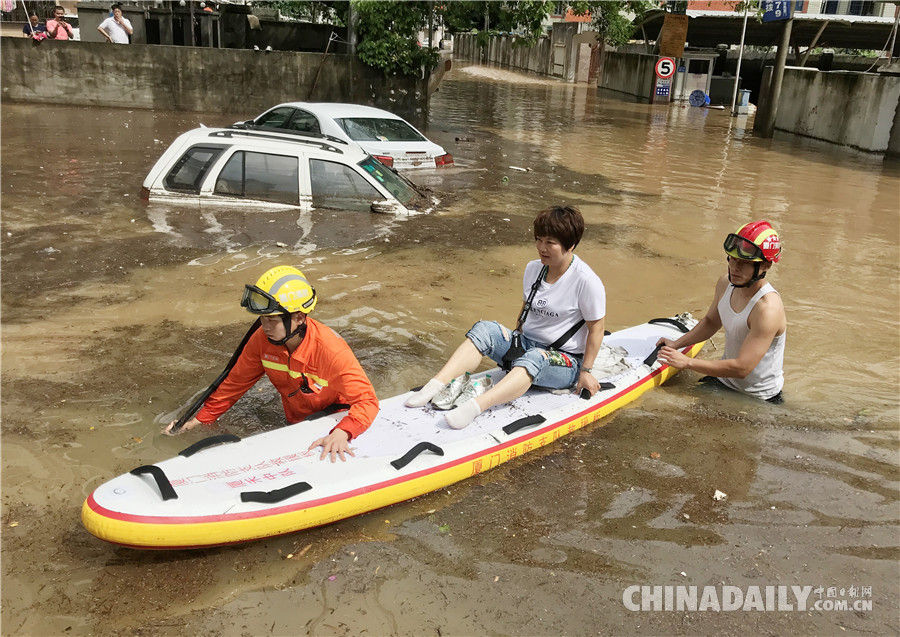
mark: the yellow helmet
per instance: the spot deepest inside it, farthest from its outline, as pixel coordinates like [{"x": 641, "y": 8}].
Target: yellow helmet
[{"x": 281, "y": 290}]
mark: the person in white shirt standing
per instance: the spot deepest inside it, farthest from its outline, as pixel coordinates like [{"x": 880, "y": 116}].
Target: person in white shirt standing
[
  {"x": 751, "y": 312},
  {"x": 116, "y": 28},
  {"x": 554, "y": 348}
]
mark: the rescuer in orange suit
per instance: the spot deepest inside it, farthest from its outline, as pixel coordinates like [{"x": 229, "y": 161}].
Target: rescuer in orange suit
[{"x": 309, "y": 364}]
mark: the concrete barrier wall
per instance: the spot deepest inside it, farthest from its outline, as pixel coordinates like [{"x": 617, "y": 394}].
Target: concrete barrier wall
[
  {"x": 851, "y": 109},
  {"x": 197, "y": 79},
  {"x": 893, "y": 149},
  {"x": 502, "y": 50},
  {"x": 628, "y": 73}
]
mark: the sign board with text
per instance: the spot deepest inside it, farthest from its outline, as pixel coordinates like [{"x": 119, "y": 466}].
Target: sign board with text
[
  {"x": 662, "y": 90},
  {"x": 673, "y": 35},
  {"x": 775, "y": 10}
]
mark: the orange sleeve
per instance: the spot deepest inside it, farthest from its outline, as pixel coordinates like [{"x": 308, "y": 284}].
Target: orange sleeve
[
  {"x": 355, "y": 389},
  {"x": 246, "y": 371}
]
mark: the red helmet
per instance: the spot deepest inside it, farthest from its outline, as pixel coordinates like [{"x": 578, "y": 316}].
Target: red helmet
[{"x": 755, "y": 241}]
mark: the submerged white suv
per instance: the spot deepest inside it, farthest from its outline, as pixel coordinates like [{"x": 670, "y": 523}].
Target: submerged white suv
[{"x": 271, "y": 169}]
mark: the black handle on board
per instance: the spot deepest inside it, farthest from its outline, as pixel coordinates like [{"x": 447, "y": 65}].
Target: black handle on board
[
  {"x": 276, "y": 495},
  {"x": 668, "y": 321},
  {"x": 521, "y": 423},
  {"x": 406, "y": 458},
  {"x": 166, "y": 490},
  {"x": 586, "y": 395},
  {"x": 652, "y": 358},
  {"x": 210, "y": 441}
]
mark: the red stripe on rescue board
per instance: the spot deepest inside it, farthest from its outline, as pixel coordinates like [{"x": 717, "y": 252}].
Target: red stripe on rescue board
[{"x": 150, "y": 519}]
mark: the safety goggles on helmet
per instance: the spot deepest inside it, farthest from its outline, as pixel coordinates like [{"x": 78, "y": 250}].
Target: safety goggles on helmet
[
  {"x": 259, "y": 302},
  {"x": 740, "y": 248}
]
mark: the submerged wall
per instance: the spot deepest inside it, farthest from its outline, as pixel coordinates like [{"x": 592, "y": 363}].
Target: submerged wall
[
  {"x": 197, "y": 79},
  {"x": 628, "y": 73},
  {"x": 847, "y": 108},
  {"x": 503, "y": 50}
]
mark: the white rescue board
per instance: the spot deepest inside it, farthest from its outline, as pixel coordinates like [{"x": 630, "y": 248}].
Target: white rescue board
[{"x": 224, "y": 490}]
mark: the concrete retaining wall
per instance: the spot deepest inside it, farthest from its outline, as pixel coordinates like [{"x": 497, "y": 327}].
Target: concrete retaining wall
[
  {"x": 559, "y": 55},
  {"x": 851, "y": 109},
  {"x": 196, "y": 79},
  {"x": 502, "y": 50},
  {"x": 629, "y": 73}
]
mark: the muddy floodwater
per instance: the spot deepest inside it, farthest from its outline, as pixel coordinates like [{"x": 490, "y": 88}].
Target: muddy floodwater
[{"x": 116, "y": 312}]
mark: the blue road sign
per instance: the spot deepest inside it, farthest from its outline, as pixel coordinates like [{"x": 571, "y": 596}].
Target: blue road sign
[{"x": 777, "y": 10}]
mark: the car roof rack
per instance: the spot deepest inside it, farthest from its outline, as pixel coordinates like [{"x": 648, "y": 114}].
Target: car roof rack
[
  {"x": 301, "y": 139},
  {"x": 289, "y": 131}
]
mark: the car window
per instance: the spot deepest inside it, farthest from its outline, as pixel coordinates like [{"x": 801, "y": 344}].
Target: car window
[
  {"x": 304, "y": 122},
  {"x": 188, "y": 172},
  {"x": 375, "y": 129},
  {"x": 231, "y": 180},
  {"x": 261, "y": 176},
  {"x": 335, "y": 185},
  {"x": 276, "y": 118},
  {"x": 398, "y": 186}
]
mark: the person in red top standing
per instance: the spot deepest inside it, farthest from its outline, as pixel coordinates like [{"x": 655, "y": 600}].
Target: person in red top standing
[
  {"x": 309, "y": 364},
  {"x": 57, "y": 27}
]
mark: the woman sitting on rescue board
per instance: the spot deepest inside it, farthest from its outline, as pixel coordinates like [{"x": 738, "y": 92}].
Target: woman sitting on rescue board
[{"x": 559, "y": 333}]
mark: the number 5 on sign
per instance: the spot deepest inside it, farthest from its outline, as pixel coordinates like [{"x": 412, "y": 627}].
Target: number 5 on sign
[{"x": 665, "y": 68}]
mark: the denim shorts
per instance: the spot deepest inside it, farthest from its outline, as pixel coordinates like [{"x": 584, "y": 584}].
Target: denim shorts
[{"x": 547, "y": 368}]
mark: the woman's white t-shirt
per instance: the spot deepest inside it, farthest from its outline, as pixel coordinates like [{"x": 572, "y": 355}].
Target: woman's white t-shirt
[{"x": 577, "y": 294}]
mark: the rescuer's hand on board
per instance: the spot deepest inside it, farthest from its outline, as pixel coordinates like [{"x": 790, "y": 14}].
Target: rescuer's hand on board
[
  {"x": 665, "y": 341},
  {"x": 337, "y": 443},
  {"x": 673, "y": 358}
]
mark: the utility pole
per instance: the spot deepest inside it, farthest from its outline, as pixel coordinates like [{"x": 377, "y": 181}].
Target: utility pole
[
  {"x": 737, "y": 74},
  {"x": 893, "y": 33},
  {"x": 487, "y": 37},
  {"x": 193, "y": 38},
  {"x": 768, "y": 128},
  {"x": 352, "y": 23},
  {"x": 430, "y": 23}
]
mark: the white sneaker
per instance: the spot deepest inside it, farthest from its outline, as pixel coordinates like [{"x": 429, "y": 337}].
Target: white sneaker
[
  {"x": 472, "y": 389},
  {"x": 446, "y": 398}
]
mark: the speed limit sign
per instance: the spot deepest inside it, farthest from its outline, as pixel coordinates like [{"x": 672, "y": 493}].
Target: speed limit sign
[{"x": 665, "y": 68}]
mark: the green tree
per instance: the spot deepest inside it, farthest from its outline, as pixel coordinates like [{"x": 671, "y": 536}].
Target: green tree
[
  {"x": 523, "y": 17},
  {"x": 612, "y": 18},
  {"x": 328, "y": 11},
  {"x": 463, "y": 16},
  {"x": 387, "y": 32}
]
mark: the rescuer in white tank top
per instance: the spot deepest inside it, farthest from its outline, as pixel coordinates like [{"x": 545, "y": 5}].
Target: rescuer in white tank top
[{"x": 752, "y": 314}]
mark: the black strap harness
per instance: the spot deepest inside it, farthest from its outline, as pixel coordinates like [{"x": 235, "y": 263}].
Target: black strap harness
[{"x": 516, "y": 350}]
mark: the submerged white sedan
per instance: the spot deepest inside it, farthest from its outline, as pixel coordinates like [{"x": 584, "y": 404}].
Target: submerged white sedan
[{"x": 390, "y": 139}]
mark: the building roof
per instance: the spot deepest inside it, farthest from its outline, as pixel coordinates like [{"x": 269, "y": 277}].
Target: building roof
[{"x": 710, "y": 28}]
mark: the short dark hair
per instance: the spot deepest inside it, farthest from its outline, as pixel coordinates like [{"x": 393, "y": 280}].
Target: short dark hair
[
  {"x": 563, "y": 223},
  {"x": 116, "y": 6}
]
